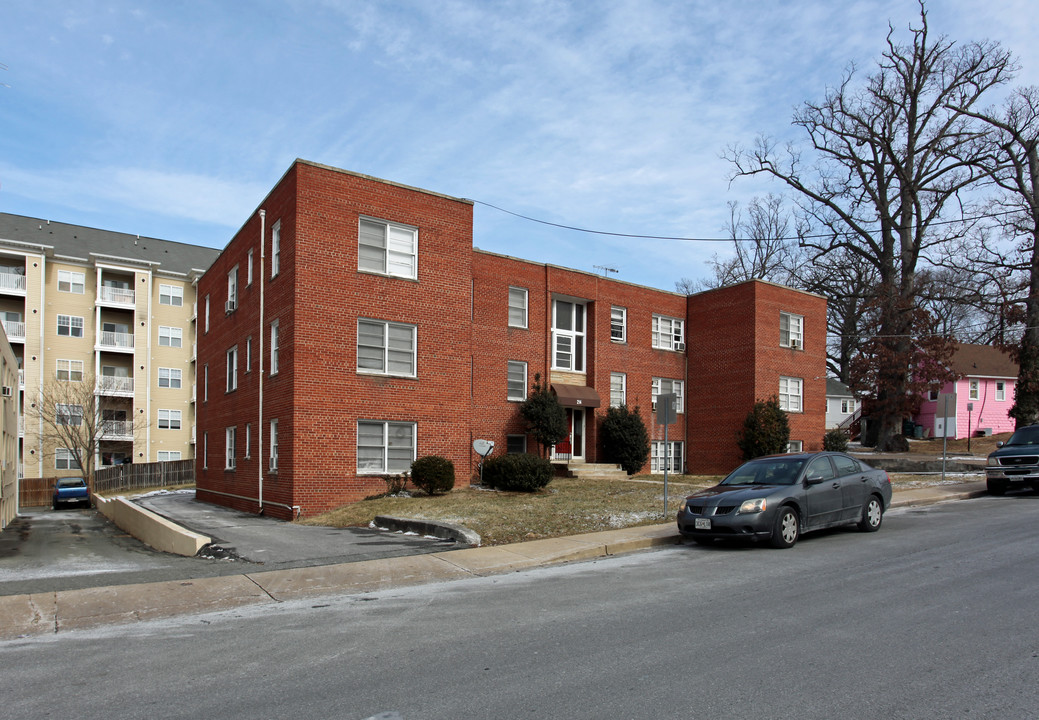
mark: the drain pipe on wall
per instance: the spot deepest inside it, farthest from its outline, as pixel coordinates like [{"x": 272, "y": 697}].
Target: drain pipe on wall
[{"x": 259, "y": 370}]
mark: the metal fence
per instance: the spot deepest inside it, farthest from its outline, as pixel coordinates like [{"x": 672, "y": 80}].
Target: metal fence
[{"x": 37, "y": 492}]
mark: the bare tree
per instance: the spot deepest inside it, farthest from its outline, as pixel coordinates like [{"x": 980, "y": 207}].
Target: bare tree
[{"x": 891, "y": 159}]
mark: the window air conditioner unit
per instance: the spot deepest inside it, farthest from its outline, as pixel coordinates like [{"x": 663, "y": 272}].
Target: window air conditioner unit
[
  {"x": 680, "y": 346},
  {"x": 7, "y": 392},
  {"x": 272, "y": 464},
  {"x": 229, "y": 306},
  {"x": 794, "y": 344}
]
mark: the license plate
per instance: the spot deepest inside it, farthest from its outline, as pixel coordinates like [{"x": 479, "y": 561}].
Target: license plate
[{"x": 702, "y": 523}]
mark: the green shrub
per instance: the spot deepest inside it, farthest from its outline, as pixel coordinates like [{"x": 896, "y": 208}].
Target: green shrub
[
  {"x": 765, "y": 431},
  {"x": 624, "y": 438},
  {"x": 835, "y": 440},
  {"x": 517, "y": 473},
  {"x": 433, "y": 474}
]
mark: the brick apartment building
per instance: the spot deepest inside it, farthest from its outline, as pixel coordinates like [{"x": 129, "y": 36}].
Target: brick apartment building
[{"x": 350, "y": 326}]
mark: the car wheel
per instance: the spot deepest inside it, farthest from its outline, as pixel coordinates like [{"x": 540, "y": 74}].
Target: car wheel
[
  {"x": 996, "y": 488},
  {"x": 786, "y": 529},
  {"x": 872, "y": 515}
]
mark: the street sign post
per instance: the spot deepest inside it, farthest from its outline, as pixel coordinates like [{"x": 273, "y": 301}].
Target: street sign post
[{"x": 666, "y": 410}]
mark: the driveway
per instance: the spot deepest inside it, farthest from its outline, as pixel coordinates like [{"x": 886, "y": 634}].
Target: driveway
[{"x": 45, "y": 550}]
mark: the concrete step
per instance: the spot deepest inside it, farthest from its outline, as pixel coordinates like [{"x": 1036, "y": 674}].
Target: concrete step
[{"x": 596, "y": 471}]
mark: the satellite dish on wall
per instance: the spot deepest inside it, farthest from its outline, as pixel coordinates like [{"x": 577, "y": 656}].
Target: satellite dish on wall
[{"x": 483, "y": 448}]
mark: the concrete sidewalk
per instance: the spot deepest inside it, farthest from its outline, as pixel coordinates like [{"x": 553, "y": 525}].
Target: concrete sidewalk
[{"x": 42, "y": 613}]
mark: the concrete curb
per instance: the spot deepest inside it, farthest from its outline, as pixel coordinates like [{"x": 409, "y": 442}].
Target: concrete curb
[
  {"x": 432, "y": 528},
  {"x": 151, "y": 529},
  {"x": 48, "y": 613}
]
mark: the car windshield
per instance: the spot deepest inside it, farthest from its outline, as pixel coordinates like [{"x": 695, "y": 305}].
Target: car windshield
[
  {"x": 773, "y": 471},
  {"x": 1025, "y": 436},
  {"x": 71, "y": 482}
]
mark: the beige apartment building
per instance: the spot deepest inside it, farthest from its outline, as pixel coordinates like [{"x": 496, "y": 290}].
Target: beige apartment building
[{"x": 113, "y": 311}]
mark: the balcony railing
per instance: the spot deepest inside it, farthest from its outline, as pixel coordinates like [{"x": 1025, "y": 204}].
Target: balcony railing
[
  {"x": 116, "y": 429},
  {"x": 119, "y": 296},
  {"x": 118, "y": 340},
  {"x": 21, "y": 379},
  {"x": 15, "y": 330},
  {"x": 111, "y": 385},
  {"x": 12, "y": 281}
]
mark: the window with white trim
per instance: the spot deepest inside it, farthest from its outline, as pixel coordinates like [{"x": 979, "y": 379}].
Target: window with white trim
[
  {"x": 172, "y": 295},
  {"x": 169, "y": 419},
  {"x": 932, "y": 395},
  {"x": 618, "y": 324},
  {"x": 517, "y": 385},
  {"x": 665, "y": 386},
  {"x": 68, "y": 414},
  {"x": 171, "y": 336},
  {"x": 249, "y": 268},
  {"x": 568, "y": 335},
  {"x": 515, "y": 444},
  {"x": 973, "y": 389},
  {"x": 791, "y": 330},
  {"x": 659, "y": 455},
  {"x": 205, "y": 382},
  {"x": 794, "y": 446},
  {"x": 232, "y": 369},
  {"x": 618, "y": 389},
  {"x": 248, "y": 440},
  {"x": 205, "y": 319},
  {"x": 205, "y": 451},
  {"x": 169, "y": 378},
  {"x": 518, "y": 307},
  {"x": 668, "y": 333},
  {"x": 1001, "y": 390},
  {"x": 790, "y": 394},
  {"x": 847, "y": 406},
  {"x": 272, "y": 462},
  {"x": 387, "y": 248},
  {"x": 70, "y": 326},
  {"x": 385, "y": 348},
  {"x": 71, "y": 370},
  {"x": 232, "y": 290},
  {"x": 275, "y": 339},
  {"x": 385, "y": 447},
  {"x": 248, "y": 354},
  {"x": 65, "y": 459},
  {"x": 167, "y": 455},
  {"x": 230, "y": 435},
  {"x": 275, "y": 248},
  {"x": 71, "y": 282}
]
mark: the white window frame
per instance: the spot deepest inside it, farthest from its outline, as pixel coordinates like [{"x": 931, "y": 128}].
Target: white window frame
[
  {"x": 167, "y": 418},
  {"x": 230, "y": 437},
  {"x": 675, "y": 451},
  {"x": 232, "y": 290},
  {"x": 205, "y": 383},
  {"x": 248, "y": 440},
  {"x": 387, "y": 442},
  {"x": 791, "y": 394},
  {"x": 248, "y": 355},
  {"x": 205, "y": 319},
  {"x": 618, "y": 324},
  {"x": 272, "y": 460},
  {"x": 69, "y": 370},
  {"x": 172, "y": 295},
  {"x": 663, "y": 386},
  {"x": 73, "y": 323},
  {"x": 973, "y": 389},
  {"x": 386, "y": 352},
  {"x": 167, "y": 456},
  {"x": 68, "y": 414},
  {"x": 618, "y": 389},
  {"x": 232, "y": 369},
  {"x": 173, "y": 336},
  {"x": 668, "y": 333},
  {"x": 387, "y": 248},
  {"x": 517, "y": 372},
  {"x": 568, "y": 344},
  {"x": 791, "y": 330},
  {"x": 71, "y": 280},
  {"x": 518, "y": 298},
  {"x": 275, "y": 249},
  {"x": 173, "y": 378},
  {"x": 249, "y": 268},
  {"x": 1001, "y": 390},
  {"x": 65, "y": 459},
  {"x": 275, "y": 340},
  {"x": 794, "y": 446},
  {"x": 847, "y": 406},
  {"x": 205, "y": 451}
]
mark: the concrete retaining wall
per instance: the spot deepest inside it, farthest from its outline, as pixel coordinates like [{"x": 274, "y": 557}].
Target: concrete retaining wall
[{"x": 151, "y": 529}]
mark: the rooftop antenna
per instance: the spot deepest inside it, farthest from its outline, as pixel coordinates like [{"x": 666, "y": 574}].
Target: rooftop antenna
[{"x": 606, "y": 269}]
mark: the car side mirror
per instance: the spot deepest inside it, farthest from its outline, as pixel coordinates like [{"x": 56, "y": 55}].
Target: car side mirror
[
  {"x": 814, "y": 480},
  {"x": 999, "y": 443}
]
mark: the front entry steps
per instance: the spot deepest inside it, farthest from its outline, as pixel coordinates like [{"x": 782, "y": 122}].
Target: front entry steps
[{"x": 596, "y": 471}]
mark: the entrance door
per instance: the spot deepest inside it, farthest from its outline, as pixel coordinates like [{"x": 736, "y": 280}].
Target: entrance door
[{"x": 575, "y": 419}]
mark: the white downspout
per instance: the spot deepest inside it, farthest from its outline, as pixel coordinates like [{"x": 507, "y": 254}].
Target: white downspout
[{"x": 259, "y": 369}]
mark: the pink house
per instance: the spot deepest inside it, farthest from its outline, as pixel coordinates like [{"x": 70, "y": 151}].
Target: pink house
[{"x": 979, "y": 401}]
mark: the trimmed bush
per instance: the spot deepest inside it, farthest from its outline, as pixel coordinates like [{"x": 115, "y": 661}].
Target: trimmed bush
[
  {"x": 835, "y": 440},
  {"x": 433, "y": 474},
  {"x": 517, "y": 473},
  {"x": 765, "y": 431},
  {"x": 624, "y": 438}
]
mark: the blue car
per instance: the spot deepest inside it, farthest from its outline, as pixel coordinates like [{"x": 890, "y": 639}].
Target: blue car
[
  {"x": 780, "y": 497},
  {"x": 71, "y": 491}
]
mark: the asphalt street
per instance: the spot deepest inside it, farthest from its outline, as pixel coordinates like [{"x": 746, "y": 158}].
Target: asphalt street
[{"x": 930, "y": 618}]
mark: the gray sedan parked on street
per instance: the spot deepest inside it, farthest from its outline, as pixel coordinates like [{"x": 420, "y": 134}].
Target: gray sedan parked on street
[{"x": 777, "y": 498}]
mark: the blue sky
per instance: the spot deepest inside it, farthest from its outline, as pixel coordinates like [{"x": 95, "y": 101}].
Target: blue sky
[{"x": 173, "y": 119}]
